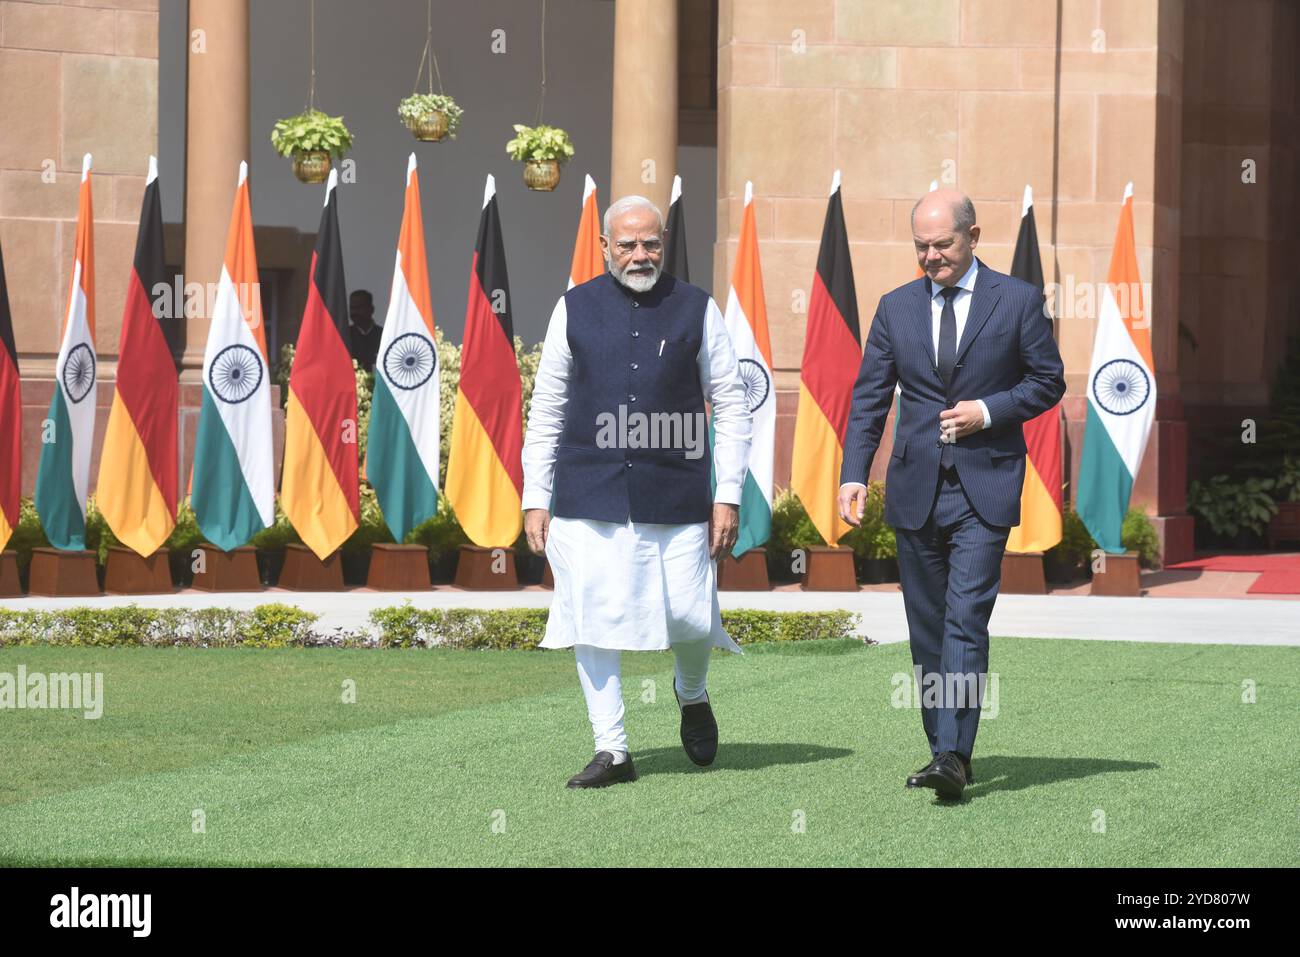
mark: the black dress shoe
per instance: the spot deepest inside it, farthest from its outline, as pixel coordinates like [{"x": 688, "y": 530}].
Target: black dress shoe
[
  {"x": 699, "y": 731},
  {"x": 914, "y": 779},
  {"x": 602, "y": 772},
  {"x": 946, "y": 776}
]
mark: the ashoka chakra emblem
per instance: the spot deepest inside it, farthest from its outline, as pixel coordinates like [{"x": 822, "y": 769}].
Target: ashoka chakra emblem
[
  {"x": 1121, "y": 386},
  {"x": 757, "y": 384},
  {"x": 79, "y": 372},
  {"x": 235, "y": 374},
  {"x": 409, "y": 360}
]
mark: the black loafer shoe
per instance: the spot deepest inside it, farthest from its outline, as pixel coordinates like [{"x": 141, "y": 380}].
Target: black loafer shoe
[
  {"x": 946, "y": 776},
  {"x": 699, "y": 731},
  {"x": 602, "y": 772}
]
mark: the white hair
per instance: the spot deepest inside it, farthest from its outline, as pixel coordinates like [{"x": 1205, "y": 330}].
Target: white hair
[{"x": 621, "y": 206}]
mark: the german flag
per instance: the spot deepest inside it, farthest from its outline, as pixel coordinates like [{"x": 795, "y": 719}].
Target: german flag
[
  {"x": 485, "y": 475},
  {"x": 1040, "y": 501},
  {"x": 11, "y": 418},
  {"x": 588, "y": 260},
  {"x": 318, "y": 489},
  {"x": 137, "y": 484},
  {"x": 832, "y": 351}
]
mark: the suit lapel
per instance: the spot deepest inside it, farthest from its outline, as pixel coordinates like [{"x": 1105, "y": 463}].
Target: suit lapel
[
  {"x": 983, "y": 299},
  {"x": 924, "y": 330}
]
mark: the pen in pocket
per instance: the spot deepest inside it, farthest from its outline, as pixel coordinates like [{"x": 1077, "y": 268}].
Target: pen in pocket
[{"x": 661, "y": 346}]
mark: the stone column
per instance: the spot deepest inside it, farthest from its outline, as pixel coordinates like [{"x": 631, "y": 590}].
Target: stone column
[
  {"x": 645, "y": 99},
  {"x": 216, "y": 140}
]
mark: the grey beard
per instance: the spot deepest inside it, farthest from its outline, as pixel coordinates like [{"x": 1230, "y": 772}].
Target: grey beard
[{"x": 635, "y": 283}]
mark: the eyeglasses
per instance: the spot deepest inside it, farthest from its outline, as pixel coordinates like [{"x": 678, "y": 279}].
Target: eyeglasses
[{"x": 627, "y": 247}]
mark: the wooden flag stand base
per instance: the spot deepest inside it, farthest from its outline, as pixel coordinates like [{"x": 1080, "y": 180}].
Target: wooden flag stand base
[
  {"x": 399, "y": 568},
  {"x": 59, "y": 574},
  {"x": 1022, "y": 574},
  {"x": 128, "y": 573},
  {"x": 548, "y": 580},
  {"x": 486, "y": 569},
  {"x": 303, "y": 571},
  {"x": 10, "y": 586},
  {"x": 830, "y": 569},
  {"x": 746, "y": 573},
  {"x": 1121, "y": 577},
  {"x": 235, "y": 570}
]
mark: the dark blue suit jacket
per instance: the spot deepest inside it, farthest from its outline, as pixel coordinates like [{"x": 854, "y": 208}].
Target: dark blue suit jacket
[{"x": 1007, "y": 356}]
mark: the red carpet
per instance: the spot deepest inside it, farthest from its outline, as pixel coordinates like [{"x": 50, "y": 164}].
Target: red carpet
[{"x": 1280, "y": 574}]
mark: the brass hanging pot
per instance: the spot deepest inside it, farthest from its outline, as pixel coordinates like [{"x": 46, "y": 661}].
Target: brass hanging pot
[{"x": 543, "y": 175}]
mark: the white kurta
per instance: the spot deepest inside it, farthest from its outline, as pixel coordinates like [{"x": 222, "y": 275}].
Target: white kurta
[{"x": 635, "y": 587}]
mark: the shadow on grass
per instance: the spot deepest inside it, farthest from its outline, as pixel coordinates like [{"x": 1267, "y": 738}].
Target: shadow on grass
[
  {"x": 736, "y": 757},
  {"x": 1005, "y": 772}
]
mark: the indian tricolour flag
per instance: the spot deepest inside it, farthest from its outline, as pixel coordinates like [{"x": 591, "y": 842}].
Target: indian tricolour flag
[
  {"x": 233, "y": 488},
  {"x": 64, "y": 471},
  {"x": 403, "y": 446},
  {"x": 746, "y": 319},
  {"x": 1121, "y": 394}
]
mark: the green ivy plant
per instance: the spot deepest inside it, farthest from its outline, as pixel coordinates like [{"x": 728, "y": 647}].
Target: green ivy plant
[
  {"x": 1232, "y": 507},
  {"x": 540, "y": 143},
  {"x": 311, "y": 131},
  {"x": 420, "y": 104}
]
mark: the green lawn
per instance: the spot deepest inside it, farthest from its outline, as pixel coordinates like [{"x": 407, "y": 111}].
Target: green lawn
[{"x": 458, "y": 757}]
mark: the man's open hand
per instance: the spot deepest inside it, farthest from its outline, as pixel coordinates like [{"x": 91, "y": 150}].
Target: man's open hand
[
  {"x": 537, "y": 523},
  {"x": 724, "y": 526},
  {"x": 963, "y": 419}
]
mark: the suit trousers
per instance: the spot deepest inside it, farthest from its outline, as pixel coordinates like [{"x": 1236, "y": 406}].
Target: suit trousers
[{"x": 950, "y": 569}]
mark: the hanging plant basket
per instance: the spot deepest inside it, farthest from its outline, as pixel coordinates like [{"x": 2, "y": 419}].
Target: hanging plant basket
[
  {"x": 429, "y": 127},
  {"x": 430, "y": 116},
  {"x": 312, "y": 140},
  {"x": 541, "y": 149},
  {"x": 311, "y": 166},
  {"x": 543, "y": 175}
]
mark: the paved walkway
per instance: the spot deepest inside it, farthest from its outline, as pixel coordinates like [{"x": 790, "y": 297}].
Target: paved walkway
[{"x": 1059, "y": 615}]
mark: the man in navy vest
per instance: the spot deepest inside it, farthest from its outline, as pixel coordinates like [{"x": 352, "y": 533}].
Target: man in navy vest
[
  {"x": 974, "y": 354},
  {"x": 617, "y": 448}
]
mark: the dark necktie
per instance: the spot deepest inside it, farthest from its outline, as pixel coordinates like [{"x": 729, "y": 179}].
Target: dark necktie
[{"x": 947, "y": 357}]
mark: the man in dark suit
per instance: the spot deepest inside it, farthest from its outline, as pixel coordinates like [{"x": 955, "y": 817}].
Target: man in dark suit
[{"x": 973, "y": 352}]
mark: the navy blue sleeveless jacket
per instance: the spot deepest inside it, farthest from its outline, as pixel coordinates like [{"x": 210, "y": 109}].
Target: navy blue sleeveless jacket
[{"x": 637, "y": 351}]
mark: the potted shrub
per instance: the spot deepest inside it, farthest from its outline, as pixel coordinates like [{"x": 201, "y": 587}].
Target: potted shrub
[
  {"x": 312, "y": 139},
  {"x": 792, "y": 530},
  {"x": 1236, "y": 512},
  {"x": 1071, "y": 557},
  {"x": 541, "y": 149},
  {"x": 430, "y": 116},
  {"x": 880, "y": 561}
]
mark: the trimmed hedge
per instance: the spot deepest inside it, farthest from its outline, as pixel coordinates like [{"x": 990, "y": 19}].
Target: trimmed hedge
[{"x": 404, "y": 626}]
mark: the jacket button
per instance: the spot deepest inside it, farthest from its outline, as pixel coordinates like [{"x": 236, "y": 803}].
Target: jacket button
[
  {"x": 938, "y": 443},
  {"x": 635, "y": 333},
  {"x": 635, "y": 304},
  {"x": 628, "y": 464},
  {"x": 634, "y": 367},
  {"x": 631, "y": 398}
]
